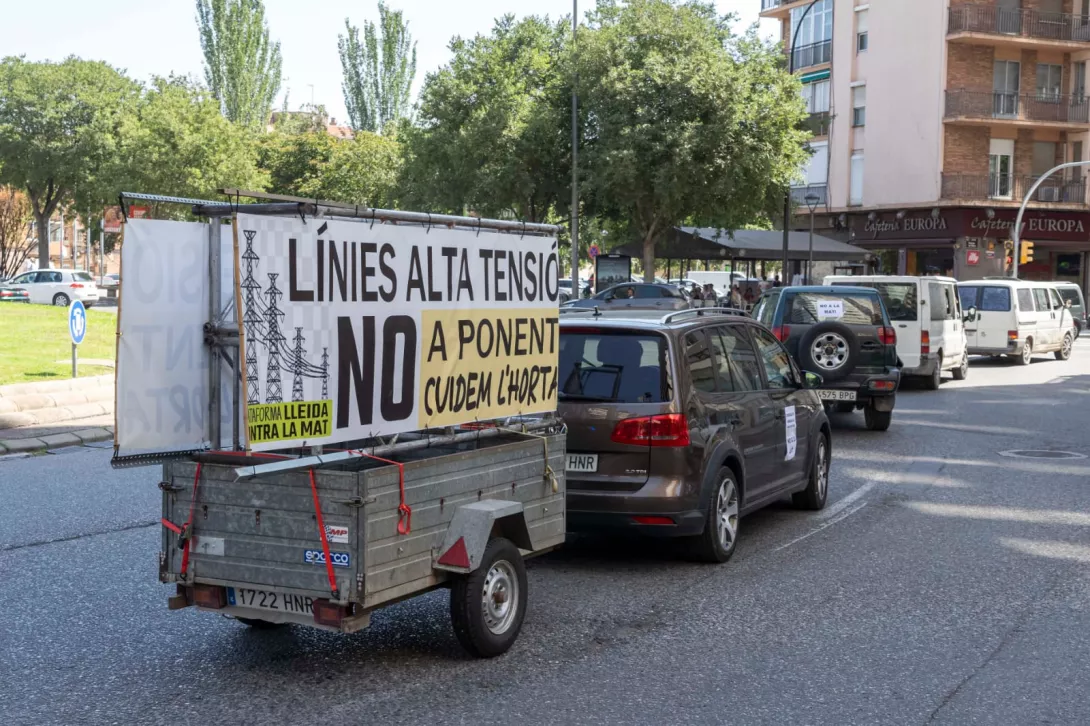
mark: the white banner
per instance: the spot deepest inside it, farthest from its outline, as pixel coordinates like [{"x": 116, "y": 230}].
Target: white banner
[
  {"x": 353, "y": 329},
  {"x": 162, "y": 361}
]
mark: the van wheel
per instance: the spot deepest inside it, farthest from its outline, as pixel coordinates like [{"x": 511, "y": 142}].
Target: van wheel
[
  {"x": 1027, "y": 354},
  {"x": 719, "y": 539},
  {"x": 877, "y": 420},
  {"x": 962, "y": 371},
  {"x": 1065, "y": 348},
  {"x": 933, "y": 381},
  {"x": 487, "y": 606},
  {"x": 815, "y": 494}
]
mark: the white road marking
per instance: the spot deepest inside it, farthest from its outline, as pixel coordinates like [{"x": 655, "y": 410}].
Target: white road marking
[
  {"x": 831, "y": 522},
  {"x": 846, "y": 501}
]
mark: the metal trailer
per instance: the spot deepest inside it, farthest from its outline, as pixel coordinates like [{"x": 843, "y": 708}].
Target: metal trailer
[{"x": 458, "y": 508}]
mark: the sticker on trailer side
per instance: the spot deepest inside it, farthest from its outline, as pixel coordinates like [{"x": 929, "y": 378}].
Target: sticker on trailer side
[
  {"x": 336, "y": 534},
  {"x": 317, "y": 557}
]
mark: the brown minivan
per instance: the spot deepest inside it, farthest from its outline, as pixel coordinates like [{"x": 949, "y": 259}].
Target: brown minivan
[{"x": 680, "y": 424}]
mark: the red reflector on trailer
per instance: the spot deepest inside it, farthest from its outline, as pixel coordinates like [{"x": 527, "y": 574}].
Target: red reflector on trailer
[
  {"x": 456, "y": 556},
  {"x": 652, "y": 520},
  {"x": 329, "y": 613},
  {"x": 210, "y": 596}
]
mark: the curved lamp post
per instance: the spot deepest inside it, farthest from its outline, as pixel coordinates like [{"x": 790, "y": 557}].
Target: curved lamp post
[
  {"x": 791, "y": 70},
  {"x": 1016, "y": 234}
]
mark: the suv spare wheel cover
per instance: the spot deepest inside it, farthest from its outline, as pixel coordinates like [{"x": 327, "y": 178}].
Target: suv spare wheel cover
[{"x": 830, "y": 350}]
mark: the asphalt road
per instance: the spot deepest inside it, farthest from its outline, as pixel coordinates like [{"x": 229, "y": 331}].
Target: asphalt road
[{"x": 944, "y": 583}]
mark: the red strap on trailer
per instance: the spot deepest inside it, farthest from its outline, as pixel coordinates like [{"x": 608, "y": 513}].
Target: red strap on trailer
[
  {"x": 325, "y": 540},
  {"x": 404, "y": 511},
  {"x": 171, "y": 526},
  {"x": 187, "y": 529}
]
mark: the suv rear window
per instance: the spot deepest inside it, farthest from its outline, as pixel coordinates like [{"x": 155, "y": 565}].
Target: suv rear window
[
  {"x": 899, "y": 297},
  {"x": 807, "y": 308},
  {"x": 612, "y": 366}
]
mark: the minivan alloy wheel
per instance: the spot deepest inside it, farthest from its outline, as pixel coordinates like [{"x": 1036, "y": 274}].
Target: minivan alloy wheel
[
  {"x": 727, "y": 514},
  {"x": 822, "y": 470},
  {"x": 830, "y": 351}
]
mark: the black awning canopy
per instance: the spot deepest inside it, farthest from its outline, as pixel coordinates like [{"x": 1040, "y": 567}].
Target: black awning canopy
[{"x": 710, "y": 243}]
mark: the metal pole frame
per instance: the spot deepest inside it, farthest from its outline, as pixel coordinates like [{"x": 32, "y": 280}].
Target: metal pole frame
[
  {"x": 1016, "y": 234},
  {"x": 787, "y": 195},
  {"x": 575, "y": 156}
]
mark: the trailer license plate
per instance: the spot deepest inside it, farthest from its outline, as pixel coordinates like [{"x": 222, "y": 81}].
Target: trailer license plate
[
  {"x": 280, "y": 602},
  {"x": 586, "y": 463},
  {"x": 826, "y": 395}
]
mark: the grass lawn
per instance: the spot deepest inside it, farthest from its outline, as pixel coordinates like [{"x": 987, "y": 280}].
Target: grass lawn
[{"x": 34, "y": 337}]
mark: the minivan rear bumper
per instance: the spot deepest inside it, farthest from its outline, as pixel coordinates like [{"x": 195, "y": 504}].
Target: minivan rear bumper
[
  {"x": 669, "y": 497},
  {"x": 685, "y": 524},
  {"x": 928, "y": 363}
]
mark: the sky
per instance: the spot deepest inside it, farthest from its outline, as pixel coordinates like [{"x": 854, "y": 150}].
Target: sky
[{"x": 159, "y": 37}]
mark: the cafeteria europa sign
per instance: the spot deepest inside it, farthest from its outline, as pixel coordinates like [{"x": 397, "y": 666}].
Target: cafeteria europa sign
[{"x": 1038, "y": 224}]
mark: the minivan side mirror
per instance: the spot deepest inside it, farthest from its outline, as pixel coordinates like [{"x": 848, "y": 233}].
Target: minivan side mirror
[
  {"x": 970, "y": 315},
  {"x": 811, "y": 380}
]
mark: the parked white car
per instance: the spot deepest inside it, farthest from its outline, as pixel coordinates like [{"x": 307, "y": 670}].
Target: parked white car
[
  {"x": 928, "y": 316},
  {"x": 59, "y": 287},
  {"x": 1017, "y": 318}
]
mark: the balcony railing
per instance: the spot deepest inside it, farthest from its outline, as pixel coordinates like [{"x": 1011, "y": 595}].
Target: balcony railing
[
  {"x": 812, "y": 54},
  {"x": 1009, "y": 187},
  {"x": 818, "y": 123},
  {"x": 991, "y": 20},
  {"x": 1041, "y": 106},
  {"x": 799, "y": 194}
]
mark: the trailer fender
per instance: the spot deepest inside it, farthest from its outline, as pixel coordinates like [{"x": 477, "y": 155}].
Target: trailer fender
[{"x": 472, "y": 527}]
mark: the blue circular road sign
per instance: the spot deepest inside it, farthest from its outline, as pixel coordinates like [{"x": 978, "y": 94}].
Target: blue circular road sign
[{"x": 77, "y": 321}]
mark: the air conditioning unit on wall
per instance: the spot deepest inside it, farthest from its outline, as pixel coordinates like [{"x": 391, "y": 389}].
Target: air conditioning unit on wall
[{"x": 1048, "y": 194}]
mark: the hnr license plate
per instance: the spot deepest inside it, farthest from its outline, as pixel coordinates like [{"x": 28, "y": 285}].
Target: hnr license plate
[
  {"x": 280, "y": 602},
  {"x": 826, "y": 395},
  {"x": 585, "y": 463}
]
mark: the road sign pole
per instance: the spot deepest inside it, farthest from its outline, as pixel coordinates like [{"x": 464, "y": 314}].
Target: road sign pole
[{"x": 74, "y": 357}]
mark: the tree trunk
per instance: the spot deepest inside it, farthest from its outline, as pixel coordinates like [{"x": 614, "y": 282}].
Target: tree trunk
[
  {"x": 649, "y": 258},
  {"x": 43, "y": 239}
]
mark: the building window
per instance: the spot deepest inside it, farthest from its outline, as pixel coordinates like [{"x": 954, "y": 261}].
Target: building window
[
  {"x": 1005, "y": 85},
  {"x": 816, "y": 27},
  {"x": 861, "y": 41},
  {"x": 1001, "y": 169},
  {"x": 817, "y": 96},
  {"x": 1079, "y": 89},
  {"x": 859, "y": 106},
  {"x": 1049, "y": 82},
  {"x": 817, "y": 168},
  {"x": 855, "y": 195}
]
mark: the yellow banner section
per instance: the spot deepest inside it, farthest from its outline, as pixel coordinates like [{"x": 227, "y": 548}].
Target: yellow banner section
[
  {"x": 484, "y": 364},
  {"x": 294, "y": 421}
]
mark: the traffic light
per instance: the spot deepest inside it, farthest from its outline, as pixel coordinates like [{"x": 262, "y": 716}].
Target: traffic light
[{"x": 1026, "y": 254}]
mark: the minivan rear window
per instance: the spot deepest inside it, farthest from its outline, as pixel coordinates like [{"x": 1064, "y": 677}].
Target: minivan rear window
[
  {"x": 989, "y": 298},
  {"x": 612, "y": 366},
  {"x": 807, "y": 308},
  {"x": 899, "y": 297},
  {"x": 1071, "y": 295}
]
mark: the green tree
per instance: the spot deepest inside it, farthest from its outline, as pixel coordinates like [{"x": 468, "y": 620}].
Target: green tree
[
  {"x": 59, "y": 133},
  {"x": 684, "y": 121},
  {"x": 362, "y": 170},
  {"x": 178, "y": 143},
  {"x": 295, "y": 162},
  {"x": 378, "y": 72},
  {"x": 14, "y": 226},
  {"x": 492, "y": 136},
  {"x": 241, "y": 65}
]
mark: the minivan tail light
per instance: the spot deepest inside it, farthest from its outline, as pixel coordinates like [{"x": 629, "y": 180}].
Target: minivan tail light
[
  {"x": 670, "y": 429},
  {"x": 888, "y": 336},
  {"x": 1012, "y": 336},
  {"x": 925, "y": 343},
  {"x": 782, "y": 332}
]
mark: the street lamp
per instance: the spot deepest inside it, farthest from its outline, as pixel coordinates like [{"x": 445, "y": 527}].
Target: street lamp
[
  {"x": 1017, "y": 233},
  {"x": 791, "y": 70},
  {"x": 812, "y": 201}
]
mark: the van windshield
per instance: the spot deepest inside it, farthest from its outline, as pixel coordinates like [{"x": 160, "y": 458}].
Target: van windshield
[
  {"x": 612, "y": 366},
  {"x": 899, "y": 297}
]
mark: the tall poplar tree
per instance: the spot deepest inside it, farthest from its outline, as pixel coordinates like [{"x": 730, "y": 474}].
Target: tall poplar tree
[
  {"x": 378, "y": 70},
  {"x": 241, "y": 65}
]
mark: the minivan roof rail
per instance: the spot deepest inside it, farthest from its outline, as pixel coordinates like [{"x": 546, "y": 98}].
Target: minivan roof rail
[
  {"x": 1001, "y": 277},
  {"x": 666, "y": 319}
]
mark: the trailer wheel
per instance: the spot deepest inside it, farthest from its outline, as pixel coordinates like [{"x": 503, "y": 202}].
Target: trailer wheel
[
  {"x": 257, "y": 624},
  {"x": 487, "y": 605}
]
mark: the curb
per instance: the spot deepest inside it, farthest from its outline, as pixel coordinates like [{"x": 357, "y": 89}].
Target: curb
[{"x": 54, "y": 441}]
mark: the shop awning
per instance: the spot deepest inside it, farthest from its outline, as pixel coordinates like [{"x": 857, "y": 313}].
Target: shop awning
[{"x": 710, "y": 243}]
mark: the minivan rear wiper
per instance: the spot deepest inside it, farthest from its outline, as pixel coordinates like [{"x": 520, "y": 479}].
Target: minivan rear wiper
[{"x": 584, "y": 397}]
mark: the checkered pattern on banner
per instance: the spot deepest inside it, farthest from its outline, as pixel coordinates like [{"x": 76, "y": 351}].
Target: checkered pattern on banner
[{"x": 316, "y": 323}]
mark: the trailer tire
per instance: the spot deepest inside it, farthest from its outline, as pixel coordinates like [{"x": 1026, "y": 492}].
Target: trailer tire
[
  {"x": 487, "y": 606},
  {"x": 258, "y": 624}
]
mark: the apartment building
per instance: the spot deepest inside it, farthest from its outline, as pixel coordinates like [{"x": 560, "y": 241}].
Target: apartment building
[{"x": 932, "y": 121}]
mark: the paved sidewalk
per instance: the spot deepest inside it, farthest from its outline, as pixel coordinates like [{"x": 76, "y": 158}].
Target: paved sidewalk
[{"x": 48, "y": 414}]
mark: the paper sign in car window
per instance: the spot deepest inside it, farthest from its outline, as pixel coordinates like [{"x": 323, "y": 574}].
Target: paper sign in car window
[{"x": 830, "y": 309}]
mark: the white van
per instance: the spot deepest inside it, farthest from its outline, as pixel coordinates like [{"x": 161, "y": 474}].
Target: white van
[
  {"x": 928, "y": 319},
  {"x": 1017, "y": 318}
]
